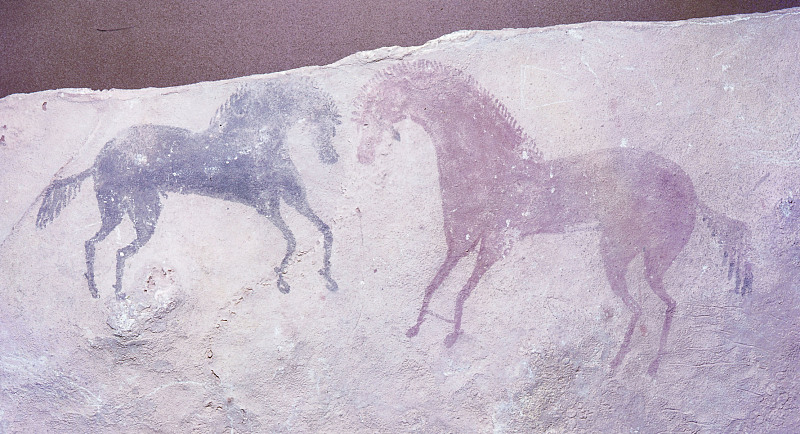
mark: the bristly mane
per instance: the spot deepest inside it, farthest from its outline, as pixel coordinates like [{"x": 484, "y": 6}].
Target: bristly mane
[
  {"x": 423, "y": 73},
  {"x": 225, "y": 108},
  {"x": 299, "y": 91}
]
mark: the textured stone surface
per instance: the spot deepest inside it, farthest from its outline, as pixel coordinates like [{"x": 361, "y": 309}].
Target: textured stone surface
[{"x": 578, "y": 179}]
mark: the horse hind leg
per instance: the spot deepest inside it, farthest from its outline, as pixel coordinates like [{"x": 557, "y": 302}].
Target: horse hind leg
[
  {"x": 111, "y": 217},
  {"x": 616, "y": 264},
  {"x": 144, "y": 210},
  {"x": 273, "y": 213},
  {"x": 300, "y": 203},
  {"x": 655, "y": 266}
]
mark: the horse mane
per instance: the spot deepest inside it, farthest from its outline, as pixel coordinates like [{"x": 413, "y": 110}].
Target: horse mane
[
  {"x": 223, "y": 111},
  {"x": 301, "y": 93},
  {"x": 423, "y": 73}
]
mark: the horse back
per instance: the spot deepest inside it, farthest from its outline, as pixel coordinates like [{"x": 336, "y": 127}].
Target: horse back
[
  {"x": 618, "y": 190},
  {"x": 143, "y": 147},
  {"x": 629, "y": 191}
]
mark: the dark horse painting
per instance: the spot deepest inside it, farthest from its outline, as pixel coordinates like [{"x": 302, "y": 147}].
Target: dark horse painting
[
  {"x": 241, "y": 157},
  {"x": 497, "y": 188}
]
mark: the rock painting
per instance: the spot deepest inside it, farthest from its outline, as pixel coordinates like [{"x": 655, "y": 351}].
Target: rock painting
[
  {"x": 497, "y": 188},
  {"x": 241, "y": 157}
]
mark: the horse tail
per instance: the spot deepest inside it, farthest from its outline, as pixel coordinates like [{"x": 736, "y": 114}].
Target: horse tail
[
  {"x": 734, "y": 236},
  {"x": 58, "y": 194}
]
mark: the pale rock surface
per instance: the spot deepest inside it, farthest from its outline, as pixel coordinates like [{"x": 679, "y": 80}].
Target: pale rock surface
[{"x": 203, "y": 340}]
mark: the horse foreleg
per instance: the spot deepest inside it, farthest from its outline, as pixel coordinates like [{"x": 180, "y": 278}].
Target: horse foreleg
[
  {"x": 273, "y": 213},
  {"x": 487, "y": 256},
  {"x": 450, "y": 261},
  {"x": 305, "y": 210}
]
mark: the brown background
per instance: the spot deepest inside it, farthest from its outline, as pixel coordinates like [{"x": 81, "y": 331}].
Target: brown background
[{"x": 106, "y": 44}]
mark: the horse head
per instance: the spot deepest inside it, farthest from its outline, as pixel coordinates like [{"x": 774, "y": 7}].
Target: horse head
[
  {"x": 276, "y": 105},
  {"x": 382, "y": 106}
]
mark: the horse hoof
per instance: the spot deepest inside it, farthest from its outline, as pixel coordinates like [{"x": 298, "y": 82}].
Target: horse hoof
[
  {"x": 283, "y": 287},
  {"x": 451, "y": 339},
  {"x": 119, "y": 293},
  {"x": 332, "y": 286},
  {"x": 653, "y": 369},
  {"x": 412, "y": 331}
]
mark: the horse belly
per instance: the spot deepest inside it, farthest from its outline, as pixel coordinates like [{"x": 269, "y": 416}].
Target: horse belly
[
  {"x": 234, "y": 185},
  {"x": 553, "y": 202},
  {"x": 562, "y": 212}
]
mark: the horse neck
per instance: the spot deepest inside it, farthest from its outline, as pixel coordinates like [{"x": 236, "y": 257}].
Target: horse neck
[{"x": 469, "y": 126}]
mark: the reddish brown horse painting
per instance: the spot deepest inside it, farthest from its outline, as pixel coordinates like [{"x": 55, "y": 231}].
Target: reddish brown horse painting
[{"x": 497, "y": 188}]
